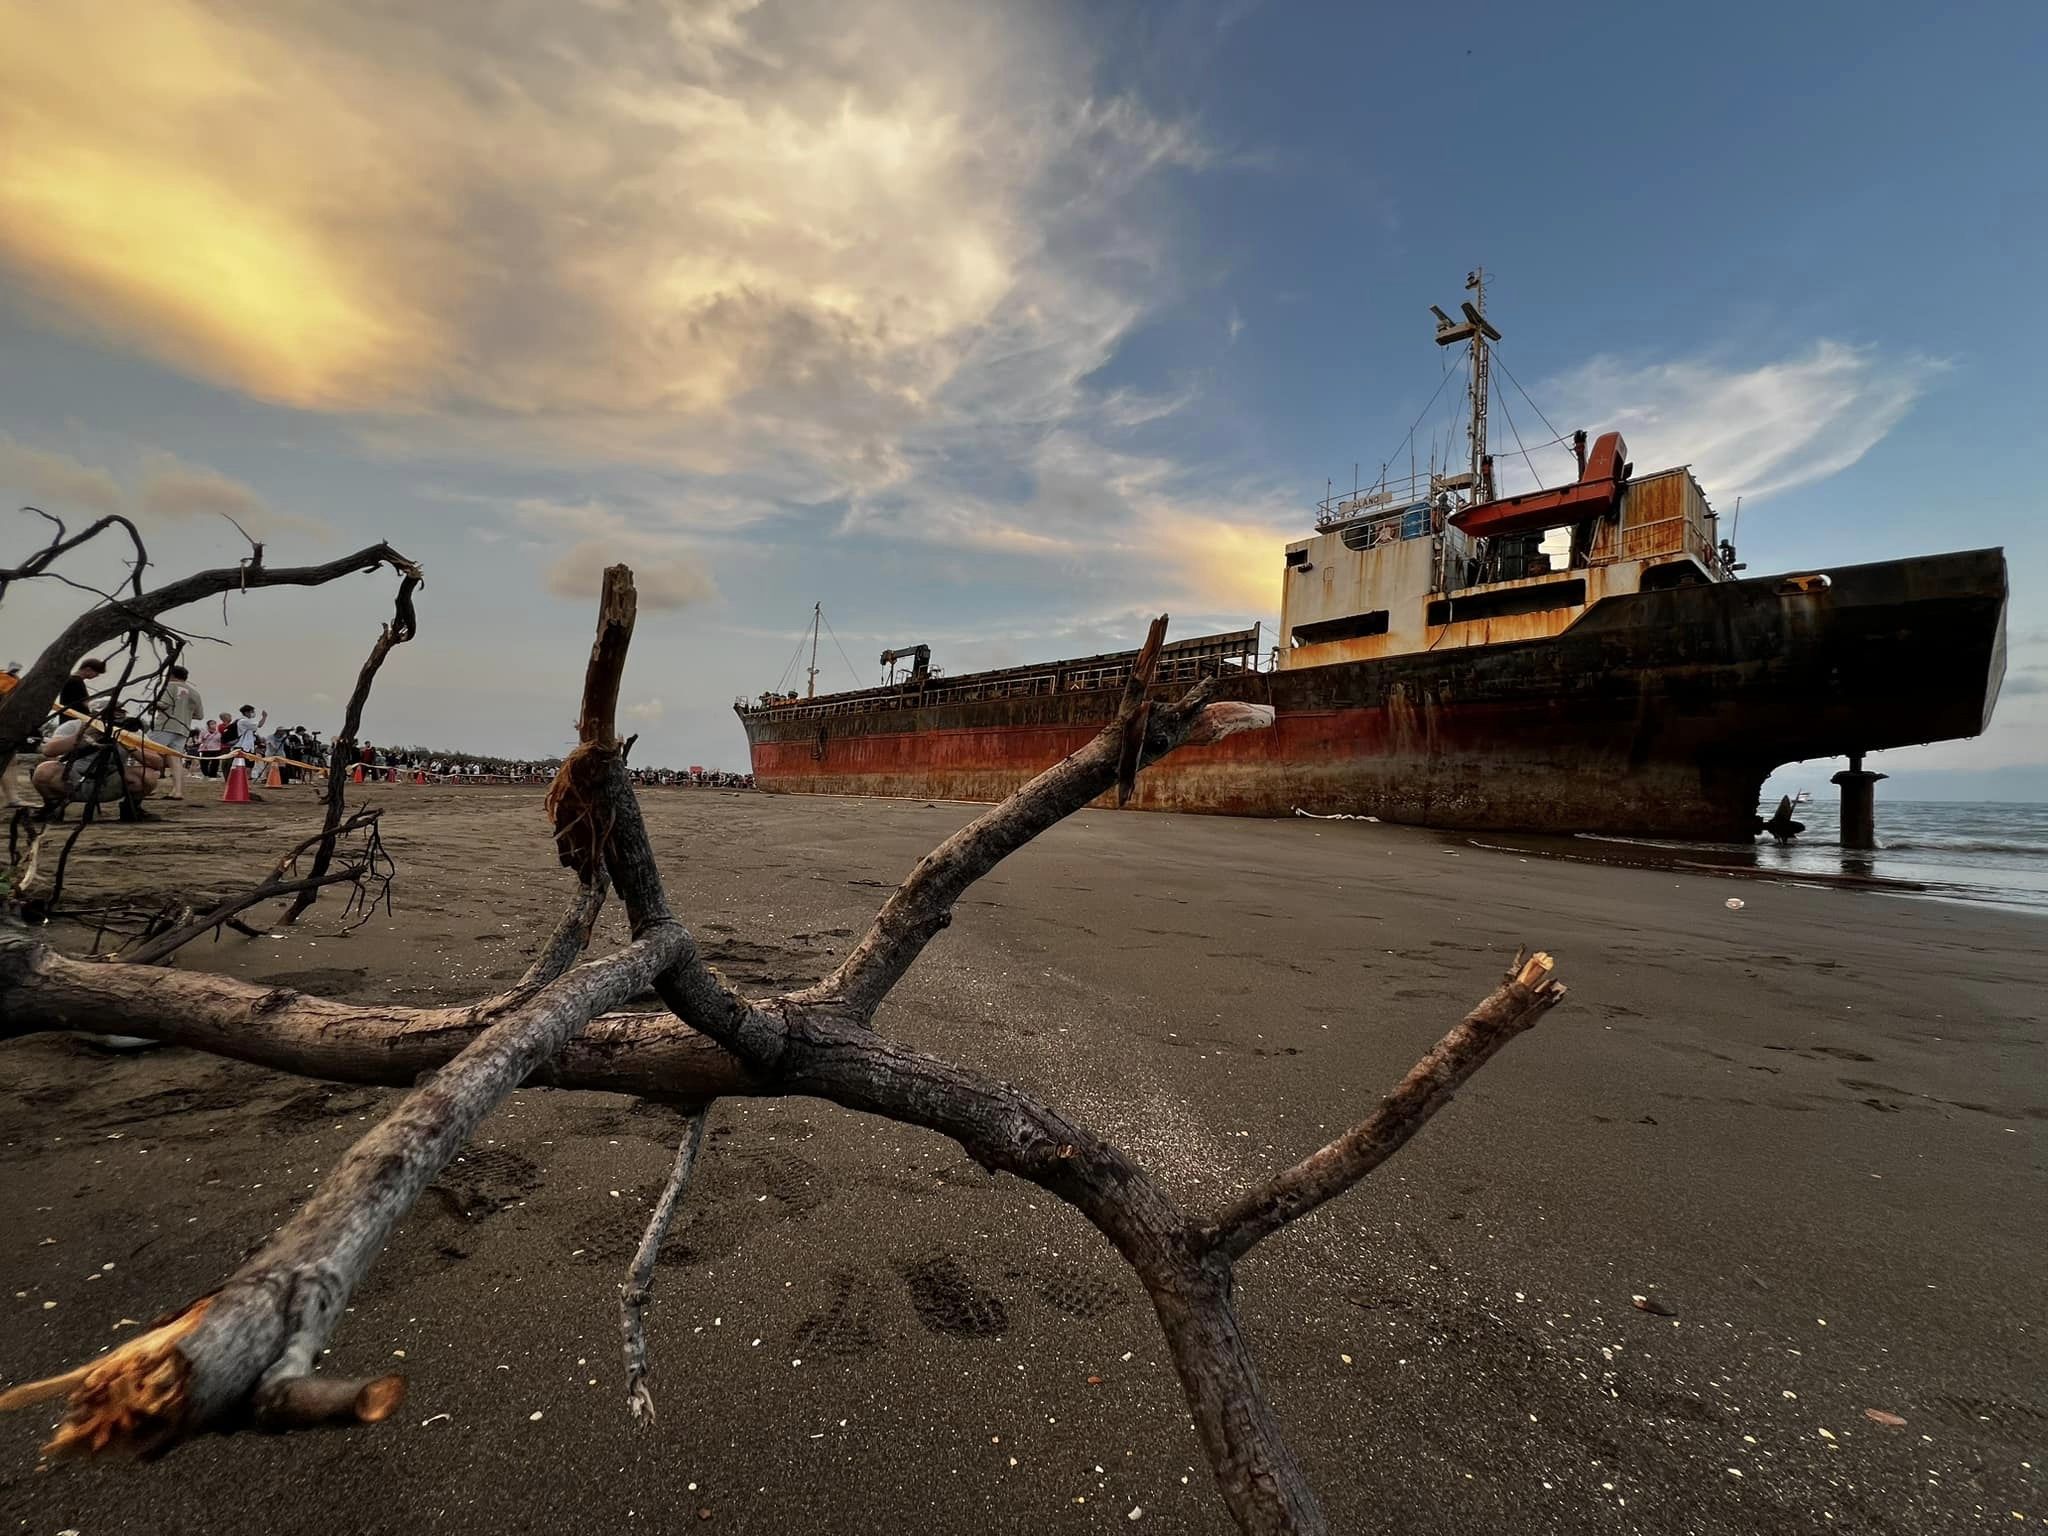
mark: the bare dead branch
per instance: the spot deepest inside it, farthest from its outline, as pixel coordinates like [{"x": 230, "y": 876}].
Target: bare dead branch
[
  {"x": 649, "y": 1055},
  {"x": 1523, "y": 997},
  {"x": 23, "y": 709},
  {"x": 274, "y": 883},
  {"x": 638, "y": 1289},
  {"x": 258, "y": 1336},
  {"x": 60, "y": 545},
  {"x": 403, "y": 626},
  {"x": 570, "y": 938}
]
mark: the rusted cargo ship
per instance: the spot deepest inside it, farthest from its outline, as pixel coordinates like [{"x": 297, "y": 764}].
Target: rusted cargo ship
[{"x": 1584, "y": 658}]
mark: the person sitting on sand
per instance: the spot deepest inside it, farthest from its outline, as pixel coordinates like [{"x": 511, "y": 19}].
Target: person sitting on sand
[{"x": 74, "y": 768}]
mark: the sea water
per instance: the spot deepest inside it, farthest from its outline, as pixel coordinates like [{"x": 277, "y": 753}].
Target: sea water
[{"x": 1962, "y": 851}]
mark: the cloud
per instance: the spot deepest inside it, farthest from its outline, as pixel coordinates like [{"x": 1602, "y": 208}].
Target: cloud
[
  {"x": 1748, "y": 432},
  {"x": 661, "y": 227},
  {"x": 648, "y": 710},
  {"x": 2025, "y": 680},
  {"x": 164, "y": 488},
  {"x": 665, "y": 579},
  {"x": 1116, "y": 526},
  {"x": 722, "y": 262},
  {"x": 57, "y": 482},
  {"x": 178, "y": 492}
]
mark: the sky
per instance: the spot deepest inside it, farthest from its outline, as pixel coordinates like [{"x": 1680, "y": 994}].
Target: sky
[{"x": 992, "y": 326}]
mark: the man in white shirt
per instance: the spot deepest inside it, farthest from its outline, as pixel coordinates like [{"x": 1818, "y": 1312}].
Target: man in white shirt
[
  {"x": 177, "y": 706},
  {"x": 248, "y": 740}
]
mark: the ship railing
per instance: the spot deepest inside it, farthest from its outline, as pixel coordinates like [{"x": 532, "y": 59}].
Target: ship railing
[
  {"x": 1173, "y": 670},
  {"x": 1666, "y": 536},
  {"x": 1386, "y": 497}
]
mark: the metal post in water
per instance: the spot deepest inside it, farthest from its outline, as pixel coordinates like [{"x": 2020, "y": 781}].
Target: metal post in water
[{"x": 1859, "y": 803}]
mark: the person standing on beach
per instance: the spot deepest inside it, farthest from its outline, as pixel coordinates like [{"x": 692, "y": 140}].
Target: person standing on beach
[
  {"x": 248, "y": 740},
  {"x": 177, "y": 706},
  {"x": 212, "y": 738},
  {"x": 77, "y": 690}
]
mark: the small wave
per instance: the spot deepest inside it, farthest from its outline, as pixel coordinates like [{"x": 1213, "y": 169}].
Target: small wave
[
  {"x": 1658, "y": 842},
  {"x": 1963, "y": 845}
]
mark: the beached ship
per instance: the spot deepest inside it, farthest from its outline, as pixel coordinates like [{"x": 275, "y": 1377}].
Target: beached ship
[{"x": 1587, "y": 658}]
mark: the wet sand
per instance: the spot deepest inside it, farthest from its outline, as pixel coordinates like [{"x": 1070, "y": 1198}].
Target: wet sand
[{"x": 1814, "y": 1128}]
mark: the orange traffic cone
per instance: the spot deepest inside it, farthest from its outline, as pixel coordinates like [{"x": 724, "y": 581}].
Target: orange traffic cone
[
  {"x": 237, "y": 791},
  {"x": 357, "y": 775}
]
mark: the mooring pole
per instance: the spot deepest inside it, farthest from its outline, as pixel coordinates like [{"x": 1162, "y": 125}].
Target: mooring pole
[{"x": 1859, "y": 803}]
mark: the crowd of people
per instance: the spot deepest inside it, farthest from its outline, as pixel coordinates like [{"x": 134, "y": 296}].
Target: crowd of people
[{"x": 73, "y": 760}]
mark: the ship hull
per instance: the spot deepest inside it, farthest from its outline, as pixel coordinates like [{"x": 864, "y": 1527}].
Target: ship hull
[{"x": 1655, "y": 714}]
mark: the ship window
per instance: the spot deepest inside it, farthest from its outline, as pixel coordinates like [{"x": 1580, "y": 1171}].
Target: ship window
[
  {"x": 1297, "y": 557},
  {"x": 1354, "y": 627},
  {"x": 1506, "y": 602}
]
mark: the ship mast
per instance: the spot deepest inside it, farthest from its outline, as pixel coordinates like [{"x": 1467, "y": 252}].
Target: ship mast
[
  {"x": 1479, "y": 331},
  {"x": 817, "y": 616},
  {"x": 1482, "y": 367}
]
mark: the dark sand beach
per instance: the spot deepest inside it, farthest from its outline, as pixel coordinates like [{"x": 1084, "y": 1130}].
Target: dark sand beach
[{"x": 1814, "y": 1128}]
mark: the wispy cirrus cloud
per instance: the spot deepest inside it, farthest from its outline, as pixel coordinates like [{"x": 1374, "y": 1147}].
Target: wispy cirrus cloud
[
  {"x": 671, "y": 230},
  {"x": 757, "y": 257},
  {"x": 1749, "y": 432}
]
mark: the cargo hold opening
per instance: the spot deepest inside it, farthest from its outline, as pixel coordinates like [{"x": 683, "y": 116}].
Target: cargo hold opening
[
  {"x": 1506, "y": 602},
  {"x": 1353, "y": 627}
]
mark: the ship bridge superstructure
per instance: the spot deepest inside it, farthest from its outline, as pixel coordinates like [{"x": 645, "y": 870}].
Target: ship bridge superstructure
[{"x": 1438, "y": 560}]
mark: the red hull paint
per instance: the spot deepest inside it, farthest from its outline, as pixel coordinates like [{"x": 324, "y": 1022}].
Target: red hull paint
[{"x": 1354, "y": 760}]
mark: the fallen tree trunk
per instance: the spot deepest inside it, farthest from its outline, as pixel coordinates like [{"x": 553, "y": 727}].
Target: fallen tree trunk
[
  {"x": 245, "y": 1353},
  {"x": 649, "y": 1055}
]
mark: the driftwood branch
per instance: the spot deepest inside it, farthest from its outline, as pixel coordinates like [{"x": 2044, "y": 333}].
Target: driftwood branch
[
  {"x": 403, "y": 626},
  {"x": 246, "y": 1351},
  {"x": 649, "y": 1055},
  {"x": 277, "y": 882},
  {"x": 1523, "y": 997},
  {"x": 638, "y": 1289}
]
